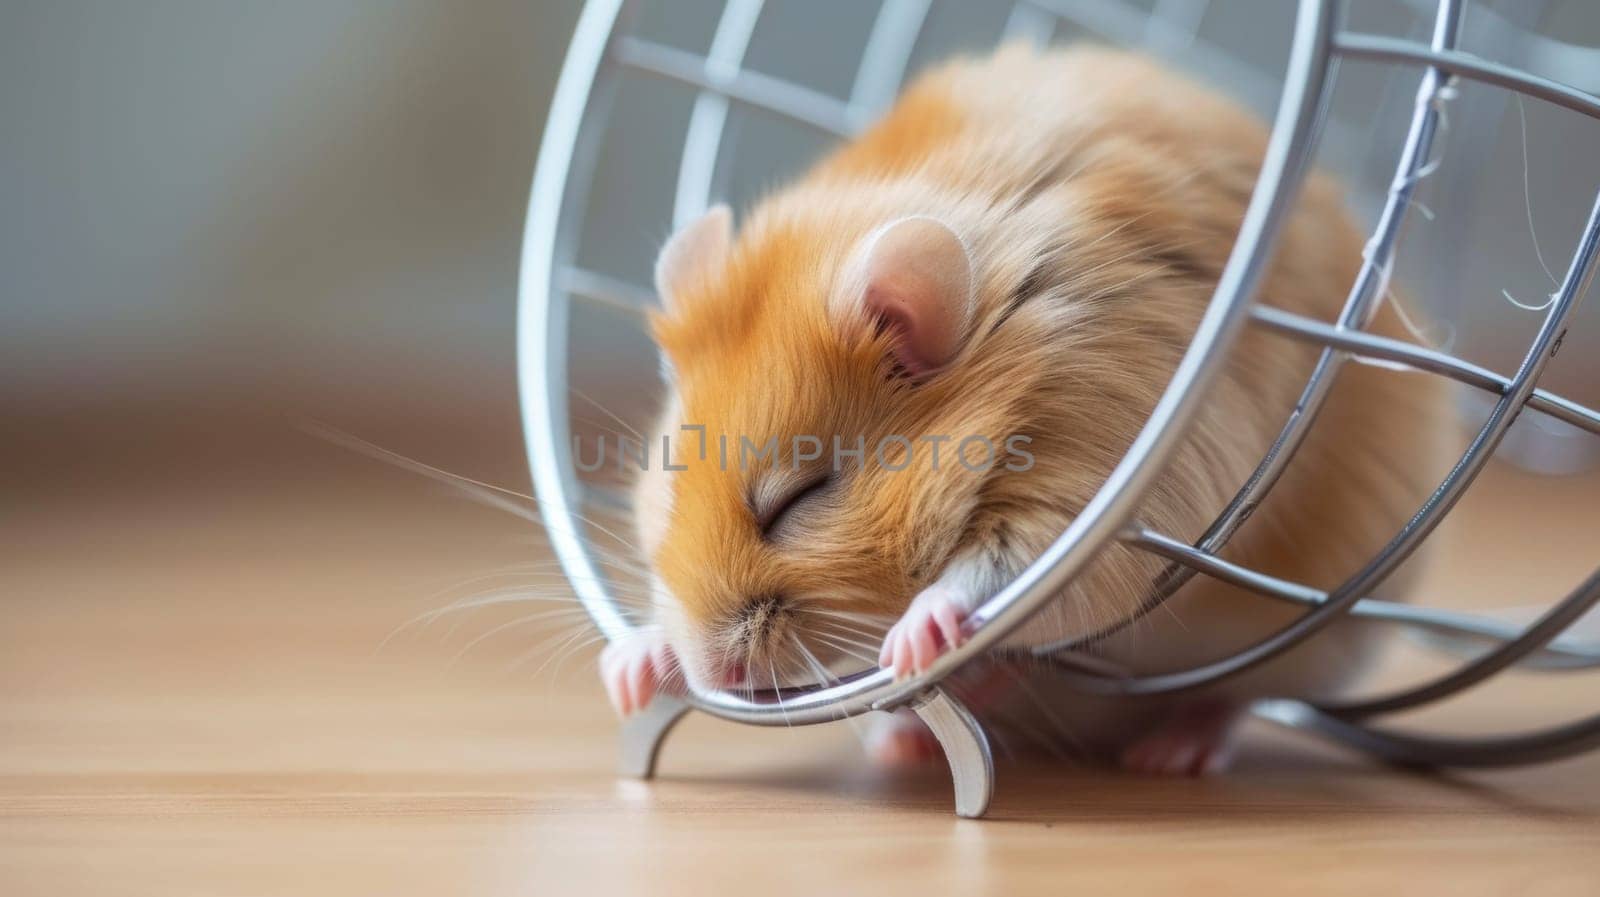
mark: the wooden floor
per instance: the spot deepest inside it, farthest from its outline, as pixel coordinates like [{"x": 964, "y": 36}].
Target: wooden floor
[{"x": 196, "y": 697}]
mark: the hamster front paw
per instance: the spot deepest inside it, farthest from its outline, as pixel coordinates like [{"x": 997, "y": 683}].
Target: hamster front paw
[
  {"x": 930, "y": 627},
  {"x": 635, "y": 669}
]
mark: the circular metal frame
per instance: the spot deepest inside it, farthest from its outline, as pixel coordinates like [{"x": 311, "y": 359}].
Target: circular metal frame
[{"x": 601, "y": 51}]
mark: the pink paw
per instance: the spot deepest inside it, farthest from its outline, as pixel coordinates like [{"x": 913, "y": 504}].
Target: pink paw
[
  {"x": 1196, "y": 742},
  {"x": 930, "y": 627},
  {"x": 634, "y": 669},
  {"x": 902, "y": 740}
]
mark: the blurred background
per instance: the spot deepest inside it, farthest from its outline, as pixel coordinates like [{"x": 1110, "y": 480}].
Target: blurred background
[
  {"x": 224, "y": 217},
  {"x": 223, "y": 221},
  {"x": 219, "y": 218}
]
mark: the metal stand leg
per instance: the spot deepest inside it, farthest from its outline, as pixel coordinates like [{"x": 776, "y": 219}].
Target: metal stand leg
[
  {"x": 967, "y": 749},
  {"x": 643, "y": 733}
]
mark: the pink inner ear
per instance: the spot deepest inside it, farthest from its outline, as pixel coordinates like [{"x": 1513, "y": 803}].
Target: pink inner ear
[
  {"x": 919, "y": 286},
  {"x": 915, "y": 348}
]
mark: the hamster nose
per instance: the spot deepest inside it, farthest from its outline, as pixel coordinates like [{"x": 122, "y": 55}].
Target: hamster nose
[
  {"x": 725, "y": 673},
  {"x": 728, "y": 675}
]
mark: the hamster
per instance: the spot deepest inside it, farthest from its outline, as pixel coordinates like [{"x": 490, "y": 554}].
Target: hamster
[{"x": 1015, "y": 257}]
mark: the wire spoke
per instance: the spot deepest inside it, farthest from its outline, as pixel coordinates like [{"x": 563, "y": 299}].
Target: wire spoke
[{"x": 1370, "y": 345}]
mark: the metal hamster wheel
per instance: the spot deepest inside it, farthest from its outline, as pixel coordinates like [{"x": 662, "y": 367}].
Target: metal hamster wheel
[{"x": 554, "y": 282}]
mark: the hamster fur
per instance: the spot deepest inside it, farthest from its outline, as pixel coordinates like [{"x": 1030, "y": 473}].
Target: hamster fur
[{"x": 1023, "y": 246}]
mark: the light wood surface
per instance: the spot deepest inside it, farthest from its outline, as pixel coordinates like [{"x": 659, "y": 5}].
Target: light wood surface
[{"x": 196, "y": 697}]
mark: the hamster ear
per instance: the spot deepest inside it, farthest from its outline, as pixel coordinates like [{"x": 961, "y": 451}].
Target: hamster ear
[
  {"x": 915, "y": 279},
  {"x": 697, "y": 247}
]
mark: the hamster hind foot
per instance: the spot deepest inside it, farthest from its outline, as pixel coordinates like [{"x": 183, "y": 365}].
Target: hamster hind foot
[
  {"x": 901, "y": 739},
  {"x": 1195, "y": 741}
]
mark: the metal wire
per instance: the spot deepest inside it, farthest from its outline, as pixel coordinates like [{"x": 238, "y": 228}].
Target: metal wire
[
  {"x": 1427, "y": 518},
  {"x": 1365, "y": 293},
  {"x": 1552, "y": 653},
  {"x": 1369, "y": 345},
  {"x": 602, "y": 50}
]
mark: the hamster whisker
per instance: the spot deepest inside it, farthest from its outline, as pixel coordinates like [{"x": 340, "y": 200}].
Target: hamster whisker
[
  {"x": 613, "y": 431},
  {"x": 859, "y": 625},
  {"x": 504, "y": 572},
  {"x": 846, "y": 636},
  {"x": 498, "y": 572},
  {"x": 547, "y": 585},
  {"x": 569, "y": 643},
  {"x": 516, "y": 594},
  {"x": 671, "y": 679},
  {"x": 607, "y": 412},
  {"x": 602, "y": 557},
  {"x": 861, "y": 617},
  {"x": 840, "y": 627},
  {"x": 777, "y": 693},
  {"x": 880, "y": 620},
  {"x": 607, "y": 555},
  {"x": 621, "y": 516},
  {"x": 864, "y": 655},
  {"x": 572, "y": 650},
  {"x": 504, "y": 596},
  {"x": 824, "y": 679},
  {"x": 487, "y": 493},
  {"x": 495, "y": 496},
  {"x": 849, "y": 617},
  {"x": 749, "y": 662},
  {"x": 553, "y": 577},
  {"x": 851, "y": 653},
  {"x": 514, "y": 579},
  {"x": 846, "y": 650},
  {"x": 511, "y": 624},
  {"x": 858, "y": 649},
  {"x": 594, "y": 547},
  {"x": 457, "y": 622}
]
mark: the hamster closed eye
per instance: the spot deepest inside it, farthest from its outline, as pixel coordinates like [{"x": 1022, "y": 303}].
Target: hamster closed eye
[{"x": 1016, "y": 255}]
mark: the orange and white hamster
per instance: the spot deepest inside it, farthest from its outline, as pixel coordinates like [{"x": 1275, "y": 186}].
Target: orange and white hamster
[{"x": 1013, "y": 259}]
